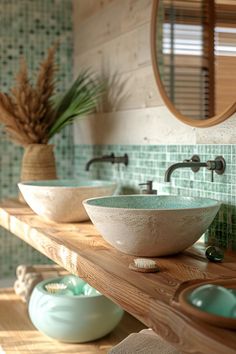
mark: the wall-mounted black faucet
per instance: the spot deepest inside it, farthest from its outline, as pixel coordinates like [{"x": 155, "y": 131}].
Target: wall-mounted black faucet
[
  {"x": 218, "y": 165},
  {"x": 108, "y": 158}
]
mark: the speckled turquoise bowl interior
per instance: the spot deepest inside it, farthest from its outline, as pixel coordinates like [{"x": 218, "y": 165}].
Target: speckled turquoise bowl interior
[
  {"x": 70, "y": 183},
  {"x": 152, "y": 202}
]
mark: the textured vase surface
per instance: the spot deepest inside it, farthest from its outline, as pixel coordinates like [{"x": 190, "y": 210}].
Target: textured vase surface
[{"x": 38, "y": 163}]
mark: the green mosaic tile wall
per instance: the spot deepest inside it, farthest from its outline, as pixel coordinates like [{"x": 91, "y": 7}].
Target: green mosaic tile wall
[
  {"x": 150, "y": 163},
  {"x": 29, "y": 27}
]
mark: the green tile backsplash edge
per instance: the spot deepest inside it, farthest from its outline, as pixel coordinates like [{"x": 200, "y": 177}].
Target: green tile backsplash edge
[{"x": 149, "y": 162}]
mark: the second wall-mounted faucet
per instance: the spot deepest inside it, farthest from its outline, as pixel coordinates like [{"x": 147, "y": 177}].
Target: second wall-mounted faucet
[
  {"x": 108, "y": 158},
  {"x": 218, "y": 166}
]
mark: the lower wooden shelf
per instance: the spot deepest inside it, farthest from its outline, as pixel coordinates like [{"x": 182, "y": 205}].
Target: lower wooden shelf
[{"x": 18, "y": 335}]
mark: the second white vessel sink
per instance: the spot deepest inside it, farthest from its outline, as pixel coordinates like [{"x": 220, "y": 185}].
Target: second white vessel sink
[
  {"x": 151, "y": 225},
  {"x": 61, "y": 200}
]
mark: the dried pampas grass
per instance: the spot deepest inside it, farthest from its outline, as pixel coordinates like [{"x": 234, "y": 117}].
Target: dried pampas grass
[
  {"x": 32, "y": 115},
  {"x": 27, "y": 111}
]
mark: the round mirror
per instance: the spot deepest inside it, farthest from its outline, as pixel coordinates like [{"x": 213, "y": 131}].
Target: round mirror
[{"x": 193, "y": 46}]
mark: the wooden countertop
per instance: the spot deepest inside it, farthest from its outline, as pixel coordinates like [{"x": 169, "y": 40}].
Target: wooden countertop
[{"x": 82, "y": 251}]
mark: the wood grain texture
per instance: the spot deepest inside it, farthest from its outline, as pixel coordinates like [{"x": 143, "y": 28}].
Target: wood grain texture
[
  {"x": 81, "y": 250},
  {"x": 18, "y": 335}
]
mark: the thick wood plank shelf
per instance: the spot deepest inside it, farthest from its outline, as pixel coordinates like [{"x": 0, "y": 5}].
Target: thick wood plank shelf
[
  {"x": 18, "y": 335},
  {"x": 81, "y": 250}
]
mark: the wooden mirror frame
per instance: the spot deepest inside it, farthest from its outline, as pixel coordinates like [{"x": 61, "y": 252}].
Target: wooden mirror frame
[{"x": 201, "y": 123}]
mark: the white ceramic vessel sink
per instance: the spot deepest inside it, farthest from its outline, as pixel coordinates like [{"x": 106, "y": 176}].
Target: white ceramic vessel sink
[
  {"x": 61, "y": 200},
  {"x": 151, "y": 225}
]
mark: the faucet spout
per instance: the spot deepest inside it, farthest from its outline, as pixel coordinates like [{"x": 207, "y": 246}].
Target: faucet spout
[
  {"x": 105, "y": 158},
  {"x": 218, "y": 166},
  {"x": 90, "y": 162},
  {"x": 108, "y": 158},
  {"x": 177, "y": 165}
]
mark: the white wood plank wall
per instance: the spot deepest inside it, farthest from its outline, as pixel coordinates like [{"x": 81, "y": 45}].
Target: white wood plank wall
[{"x": 113, "y": 38}]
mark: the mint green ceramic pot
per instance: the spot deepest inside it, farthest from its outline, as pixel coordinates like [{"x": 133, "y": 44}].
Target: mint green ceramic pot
[{"x": 69, "y": 318}]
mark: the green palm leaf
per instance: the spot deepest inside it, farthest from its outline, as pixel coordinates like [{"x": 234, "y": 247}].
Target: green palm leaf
[{"x": 81, "y": 99}]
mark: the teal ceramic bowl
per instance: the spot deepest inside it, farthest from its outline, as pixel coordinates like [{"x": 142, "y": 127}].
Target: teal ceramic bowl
[
  {"x": 214, "y": 303},
  {"x": 74, "y": 319},
  {"x": 213, "y": 299}
]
